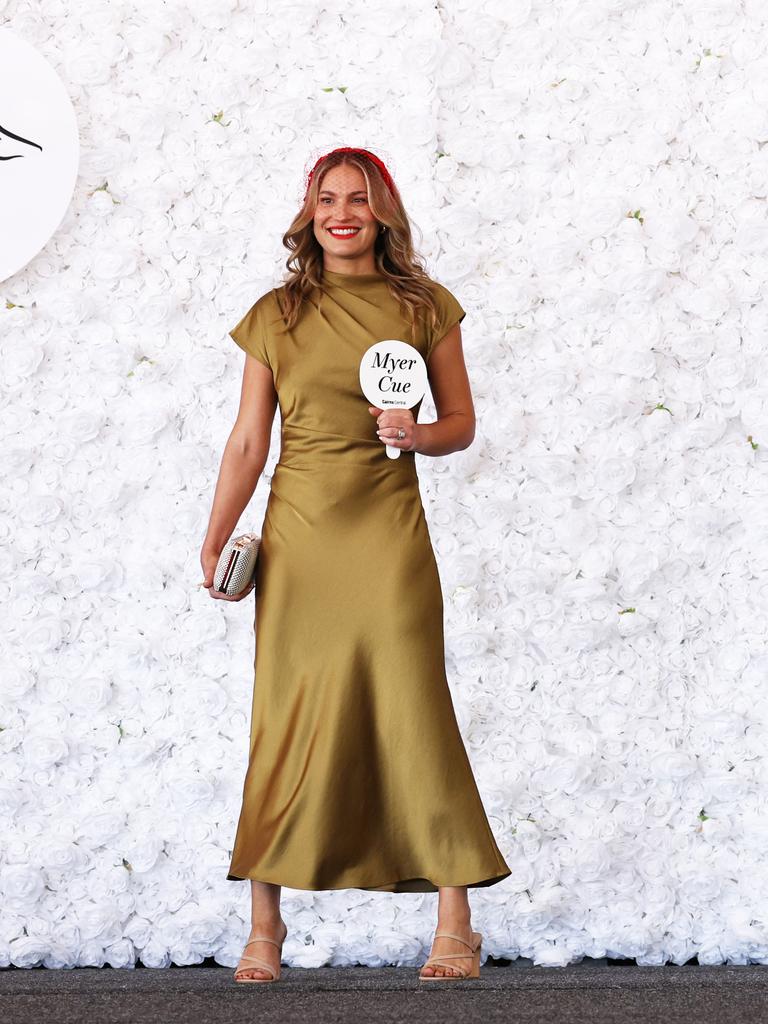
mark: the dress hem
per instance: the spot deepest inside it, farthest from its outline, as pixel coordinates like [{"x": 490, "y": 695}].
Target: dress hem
[{"x": 416, "y": 883}]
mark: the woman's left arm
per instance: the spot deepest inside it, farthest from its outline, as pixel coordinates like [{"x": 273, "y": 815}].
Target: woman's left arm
[{"x": 454, "y": 428}]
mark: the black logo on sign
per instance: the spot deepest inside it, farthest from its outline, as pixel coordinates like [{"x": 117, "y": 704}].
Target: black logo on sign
[{"x": 8, "y": 151}]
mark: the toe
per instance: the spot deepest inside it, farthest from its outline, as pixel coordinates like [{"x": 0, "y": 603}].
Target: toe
[{"x": 252, "y": 972}]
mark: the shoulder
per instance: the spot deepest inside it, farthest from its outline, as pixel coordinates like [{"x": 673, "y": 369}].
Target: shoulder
[
  {"x": 258, "y": 308},
  {"x": 266, "y": 311},
  {"x": 266, "y": 305},
  {"x": 449, "y": 309},
  {"x": 438, "y": 290},
  {"x": 254, "y": 329}
]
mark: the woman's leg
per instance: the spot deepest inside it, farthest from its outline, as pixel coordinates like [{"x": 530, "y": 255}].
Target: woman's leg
[
  {"x": 453, "y": 915},
  {"x": 265, "y": 920}
]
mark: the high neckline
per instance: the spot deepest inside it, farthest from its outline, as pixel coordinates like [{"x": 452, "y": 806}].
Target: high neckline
[{"x": 335, "y": 277}]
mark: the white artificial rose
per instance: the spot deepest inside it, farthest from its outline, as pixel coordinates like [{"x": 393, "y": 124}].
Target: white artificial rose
[{"x": 20, "y": 359}]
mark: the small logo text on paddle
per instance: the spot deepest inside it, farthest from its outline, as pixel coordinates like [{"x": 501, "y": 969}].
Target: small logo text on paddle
[{"x": 393, "y": 375}]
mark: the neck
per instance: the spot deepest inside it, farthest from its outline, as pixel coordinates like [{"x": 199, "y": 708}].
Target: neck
[{"x": 353, "y": 265}]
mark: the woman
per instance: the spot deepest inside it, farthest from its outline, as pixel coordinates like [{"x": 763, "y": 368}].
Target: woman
[{"x": 357, "y": 775}]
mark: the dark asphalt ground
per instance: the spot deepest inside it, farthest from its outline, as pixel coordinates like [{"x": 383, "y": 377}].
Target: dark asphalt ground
[{"x": 592, "y": 992}]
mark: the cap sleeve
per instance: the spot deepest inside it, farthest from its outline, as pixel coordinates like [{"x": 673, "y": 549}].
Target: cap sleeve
[
  {"x": 449, "y": 312},
  {"x": 250, "y": 335}
]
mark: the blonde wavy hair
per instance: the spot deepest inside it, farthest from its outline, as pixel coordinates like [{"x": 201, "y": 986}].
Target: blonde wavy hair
[{"x": 394, "y": 253}]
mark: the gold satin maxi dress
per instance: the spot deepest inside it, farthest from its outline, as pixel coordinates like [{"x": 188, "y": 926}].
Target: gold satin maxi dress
[{"x": 357, "y": 774}]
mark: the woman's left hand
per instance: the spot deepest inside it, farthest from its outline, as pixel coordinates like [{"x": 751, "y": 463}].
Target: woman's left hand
[{"x": 388, "y": 422}]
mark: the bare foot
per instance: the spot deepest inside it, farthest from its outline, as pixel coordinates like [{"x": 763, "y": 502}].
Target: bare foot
[
  {"x": 441, "y": 944},
  {"x": 263, "y": 950}
]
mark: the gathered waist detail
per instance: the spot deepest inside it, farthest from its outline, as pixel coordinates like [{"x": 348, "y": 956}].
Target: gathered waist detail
[{"x": 306, "y": 447}]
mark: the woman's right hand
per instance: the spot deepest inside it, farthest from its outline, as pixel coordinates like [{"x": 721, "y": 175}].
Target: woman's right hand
[{"x": 209, "y": 560}]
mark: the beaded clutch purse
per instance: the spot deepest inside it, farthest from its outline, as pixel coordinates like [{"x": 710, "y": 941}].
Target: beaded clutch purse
[{"x": 237, "y": 564}]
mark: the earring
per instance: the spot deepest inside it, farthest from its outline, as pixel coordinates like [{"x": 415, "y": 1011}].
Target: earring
[{"x": 382, "y": 228}]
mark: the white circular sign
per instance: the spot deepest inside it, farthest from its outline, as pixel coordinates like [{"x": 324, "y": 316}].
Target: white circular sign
[
  {"x": 39, "y": 152},
  {"x": 393, "y": 375}
]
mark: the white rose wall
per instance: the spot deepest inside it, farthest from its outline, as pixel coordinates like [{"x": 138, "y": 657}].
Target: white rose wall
[{"x": 589, "y": 179}]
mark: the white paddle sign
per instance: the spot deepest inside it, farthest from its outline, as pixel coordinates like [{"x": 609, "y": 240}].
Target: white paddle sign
[{"x": 393, "y": 375}]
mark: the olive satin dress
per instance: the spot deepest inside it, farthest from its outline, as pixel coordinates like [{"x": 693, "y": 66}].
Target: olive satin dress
[{"x": 357, "y": 774}]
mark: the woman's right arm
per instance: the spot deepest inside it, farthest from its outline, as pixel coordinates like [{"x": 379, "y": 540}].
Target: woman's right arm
[{"x": 243, "y": 461}]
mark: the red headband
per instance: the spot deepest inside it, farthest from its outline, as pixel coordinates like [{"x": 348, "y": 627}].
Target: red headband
[{"x": 353, "y": 149}]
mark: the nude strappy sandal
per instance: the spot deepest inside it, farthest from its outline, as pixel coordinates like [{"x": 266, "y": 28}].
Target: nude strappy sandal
[
  {"x": 256, "y": 961},
  {"x": 477, "y": 939}
]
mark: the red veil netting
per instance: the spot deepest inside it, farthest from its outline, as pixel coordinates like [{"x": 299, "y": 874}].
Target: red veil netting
[{"x": 348, "y": 149}]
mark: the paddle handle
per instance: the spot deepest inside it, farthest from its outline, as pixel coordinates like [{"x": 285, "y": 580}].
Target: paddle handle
[{"x": 393, "y": 453}]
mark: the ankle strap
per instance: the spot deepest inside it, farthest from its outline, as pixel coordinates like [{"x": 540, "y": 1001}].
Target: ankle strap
[
  {"x": 452, "y": 935},
  {"x": 263, "y": 938}
]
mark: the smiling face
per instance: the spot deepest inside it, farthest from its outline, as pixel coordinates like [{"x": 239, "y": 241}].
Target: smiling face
[{"x": 343, "y": 203}]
